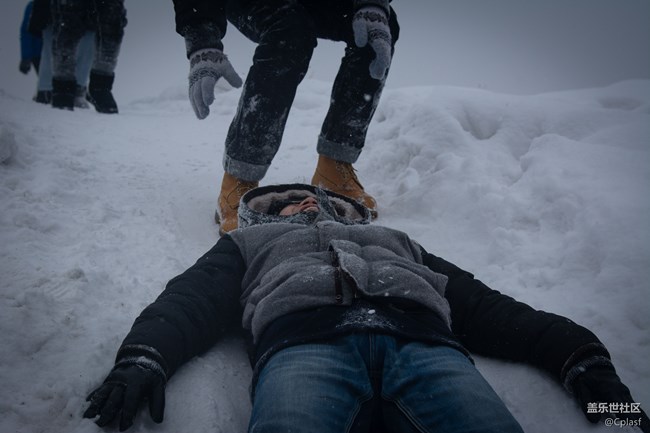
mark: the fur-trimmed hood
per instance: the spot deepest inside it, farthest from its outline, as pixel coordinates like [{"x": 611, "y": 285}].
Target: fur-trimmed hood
[{"x": 255, "y": 204}]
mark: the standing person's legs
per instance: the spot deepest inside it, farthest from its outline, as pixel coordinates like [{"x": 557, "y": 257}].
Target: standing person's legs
[
  {"x": 436, "y": 389},
  {"x": 85, "y": 56},
  {"x": 286, "y": 38},
  {"x": 110, "y": 20},
  {"x": 44, "y": 86},
  {"x": 45, "y": 76},
  {"x": 310, "y": 388},
  {"x": 355, "y": 95},
  {"x": 68, "y": 25}
]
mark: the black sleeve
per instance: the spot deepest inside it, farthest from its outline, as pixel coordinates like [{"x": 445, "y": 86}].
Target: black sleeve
[
  {"x": 383, "y": 4},
  {"x": 201, "y": 22},
  {"x": 492, "y": 324},
  {"x": 195, "y": 309},
  {"x": 40, "y": 17}
]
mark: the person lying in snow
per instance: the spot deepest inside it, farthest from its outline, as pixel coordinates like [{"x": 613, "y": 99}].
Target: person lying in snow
[{"x": 352, "y": 328}]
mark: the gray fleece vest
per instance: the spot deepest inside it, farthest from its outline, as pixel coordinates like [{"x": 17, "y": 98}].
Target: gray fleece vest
[{"x": 293, "y": 267}]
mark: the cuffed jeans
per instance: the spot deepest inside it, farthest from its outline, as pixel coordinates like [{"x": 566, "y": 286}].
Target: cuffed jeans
[
  {"x": 286, "y": 33},
  {"x": 375, "y": 383}
]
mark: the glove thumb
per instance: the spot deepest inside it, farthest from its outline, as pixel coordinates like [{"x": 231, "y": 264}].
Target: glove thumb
[
  {"x": 231, "y": 76},
  {"x": 584, "y": 396},
  {"x": 157, "y": 403},
  {"x": 379, "y": 66},
  {"x": 207, "y": 92}
]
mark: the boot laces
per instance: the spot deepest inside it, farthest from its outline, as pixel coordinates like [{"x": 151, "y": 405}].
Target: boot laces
[
  {"x": 348, "y": 172},
  {"x": 241, "y": 188}
]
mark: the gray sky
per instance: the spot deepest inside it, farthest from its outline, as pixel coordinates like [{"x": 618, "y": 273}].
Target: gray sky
[{"x": 512, "y": 46}]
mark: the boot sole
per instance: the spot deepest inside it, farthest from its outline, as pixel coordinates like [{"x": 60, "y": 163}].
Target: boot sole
[
  {"x": 217, "y": 220},
  {"x": 99, "y": 108}
]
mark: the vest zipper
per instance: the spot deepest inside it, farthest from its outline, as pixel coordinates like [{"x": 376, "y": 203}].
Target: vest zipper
[{"x": 338, "y": 283}]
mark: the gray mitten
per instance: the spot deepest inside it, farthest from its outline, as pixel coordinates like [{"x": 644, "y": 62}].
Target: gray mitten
[
  {"x": 370, "y": 26},
  {"x": 206, "y": 67}
]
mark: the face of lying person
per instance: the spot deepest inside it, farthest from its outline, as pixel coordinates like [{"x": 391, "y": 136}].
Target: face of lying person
[{"x": 308, "y": 204}]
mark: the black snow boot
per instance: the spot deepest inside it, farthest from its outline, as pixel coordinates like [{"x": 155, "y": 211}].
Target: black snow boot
[
  {"x": 99, "y": 92},
  {"x": 63, "y": 92},
  {"x": 43, "y": 97}
]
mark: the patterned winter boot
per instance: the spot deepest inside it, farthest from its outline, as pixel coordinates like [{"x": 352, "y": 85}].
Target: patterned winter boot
[
  {"x": 339, "y": 177},
  {"x": 63, "y": 93},
  {"x": 232, "y": 190},
  {"x": 99, "y": 92}
]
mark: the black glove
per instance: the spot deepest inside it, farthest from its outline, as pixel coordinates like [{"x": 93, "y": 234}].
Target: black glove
[
  {"x": 126, "y": 386},
  {"x": 601, "y": 384},
  {"x": 24, "y": 66}
]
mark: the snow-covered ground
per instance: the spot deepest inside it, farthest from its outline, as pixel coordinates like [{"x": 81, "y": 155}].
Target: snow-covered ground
[{"x": 543, "y": 197}]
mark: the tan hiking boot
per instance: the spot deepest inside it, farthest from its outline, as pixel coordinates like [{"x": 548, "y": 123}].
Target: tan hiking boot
[
  {"x": 231, "y": 191},
  {"x": 339, "y": 177}
]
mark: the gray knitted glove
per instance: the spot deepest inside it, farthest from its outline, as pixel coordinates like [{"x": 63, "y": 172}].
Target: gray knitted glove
[
  {"x": 206, "y": 67},
  {"x": 370, "y": 26}
]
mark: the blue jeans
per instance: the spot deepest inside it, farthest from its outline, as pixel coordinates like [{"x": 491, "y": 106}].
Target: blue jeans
[{"x": 375, "y": 383}]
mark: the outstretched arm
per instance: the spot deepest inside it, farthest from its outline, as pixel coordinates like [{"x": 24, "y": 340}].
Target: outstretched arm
[
  {"x": 493, "y": 324},
  {"x": 194, "y": 311}
]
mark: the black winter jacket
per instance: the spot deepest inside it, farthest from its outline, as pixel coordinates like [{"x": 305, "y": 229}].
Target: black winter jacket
[
  {"x": 40, "y": 18},
  {"x": 201, "y": 305}
]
